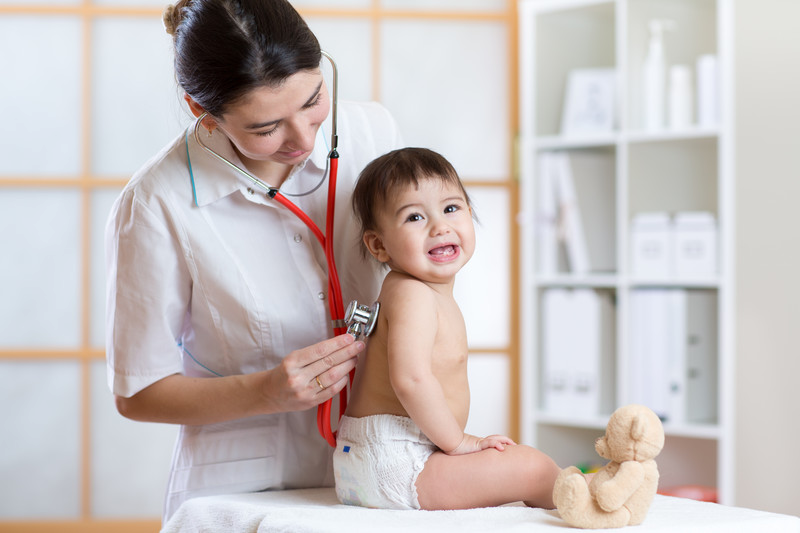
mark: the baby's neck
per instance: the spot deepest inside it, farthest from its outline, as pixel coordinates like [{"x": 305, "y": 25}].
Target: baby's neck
[{"x": 444, "y": 288}]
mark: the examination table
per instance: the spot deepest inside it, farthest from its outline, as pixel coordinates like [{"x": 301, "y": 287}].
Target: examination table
[{"x": 318, "y": 510}]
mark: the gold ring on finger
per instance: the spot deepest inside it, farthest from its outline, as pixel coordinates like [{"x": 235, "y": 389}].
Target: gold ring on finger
[{"x": 321, "y": 387}]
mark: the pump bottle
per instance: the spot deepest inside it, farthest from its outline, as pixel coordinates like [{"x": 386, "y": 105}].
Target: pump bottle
[{"x": 654, "y": 77}]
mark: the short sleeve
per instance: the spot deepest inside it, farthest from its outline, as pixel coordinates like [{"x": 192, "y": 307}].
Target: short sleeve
[{"x": 147, "y": 296}]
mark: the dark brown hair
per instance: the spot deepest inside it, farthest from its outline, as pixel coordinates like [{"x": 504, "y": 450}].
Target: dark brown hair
[
  {"x": 400, "y": 168},
  {"x": 225, "y": 48}
]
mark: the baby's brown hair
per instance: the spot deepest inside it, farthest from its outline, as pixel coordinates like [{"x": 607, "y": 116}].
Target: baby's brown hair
[{"x": 394, "y": 170}]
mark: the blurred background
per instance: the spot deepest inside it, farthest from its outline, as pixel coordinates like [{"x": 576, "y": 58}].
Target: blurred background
[{"x": 89, "y": 96}]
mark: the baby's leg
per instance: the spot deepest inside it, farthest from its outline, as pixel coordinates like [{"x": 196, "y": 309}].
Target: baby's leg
[{"x": 487, "y": 478}]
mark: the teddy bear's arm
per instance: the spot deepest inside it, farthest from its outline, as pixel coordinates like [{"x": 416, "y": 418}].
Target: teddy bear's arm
[{"x": 612, "y": 494}]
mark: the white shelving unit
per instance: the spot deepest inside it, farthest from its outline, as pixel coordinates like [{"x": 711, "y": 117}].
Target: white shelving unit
[{"x": 690, "y": 169}]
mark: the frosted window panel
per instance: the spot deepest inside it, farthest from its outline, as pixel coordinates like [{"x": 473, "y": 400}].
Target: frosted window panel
[
  {"x": 102, "y": 199},
  {"x": 136, "y": 105},
  {"x": 130, "y": 460},
  {"x": 40, "y": 440},
  {"x": 349, "y": 41},
  {"x": 331, "y": 4},
  {"x": 40, "y": 278},
  {"x": 41, "y": 67},
  {"x": 447, "y": 85},
  {"x": 446, "y": 5},
  {"x": 136, "y": 3},
  {"x": 489, "y": 384},
  {"x": 38, "y": 3},
  {"x": 482, "y": 287}
]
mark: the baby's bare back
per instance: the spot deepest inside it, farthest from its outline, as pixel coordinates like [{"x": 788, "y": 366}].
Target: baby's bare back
[{"x": 444, "y": 324}]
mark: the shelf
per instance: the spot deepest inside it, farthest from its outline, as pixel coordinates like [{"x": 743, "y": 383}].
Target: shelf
[
  {"x": 612, "y": 281},
  {"x": 686, "y": 283},
  {"x": 639, "y": 136},
  {"x": 557, "y": 6},
  {"x": 597, "y": 422},
  {"x": 600, "y": 281},
  {"x": 694, "y": 431},
  {"x": 665, "y": 339},
  {"x": 560, "y": 142}
]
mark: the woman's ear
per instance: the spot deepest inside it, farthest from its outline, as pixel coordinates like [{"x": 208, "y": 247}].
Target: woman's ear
[
  {"x": 209, "y": 123},
  {"x": 374, "y": 244},
  {"x": 195, "y": 108}
]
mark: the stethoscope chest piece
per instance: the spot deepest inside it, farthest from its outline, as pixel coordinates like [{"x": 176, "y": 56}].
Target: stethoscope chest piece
[{"x": 361, "y": 319}]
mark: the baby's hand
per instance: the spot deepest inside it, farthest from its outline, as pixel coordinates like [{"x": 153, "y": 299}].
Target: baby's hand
[
  {"x": 472, "y": 444},
  {"x": 499, "y": 442}
]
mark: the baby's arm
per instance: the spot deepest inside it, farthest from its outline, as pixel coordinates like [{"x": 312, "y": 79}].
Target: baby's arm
[{"x": 411, "y": 312}]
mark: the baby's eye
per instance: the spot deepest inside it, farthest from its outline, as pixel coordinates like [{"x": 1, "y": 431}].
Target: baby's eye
[
  {"x": 413, "y": 217},
  {"x": 452, "y": 208}
]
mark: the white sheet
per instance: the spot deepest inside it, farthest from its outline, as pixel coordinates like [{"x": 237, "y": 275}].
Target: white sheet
[{"x": 318, "y": 511}]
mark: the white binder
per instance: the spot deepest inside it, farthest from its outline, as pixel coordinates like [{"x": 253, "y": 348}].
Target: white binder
[
  {"x": 701, "y": 345},
  {"x": 651, "y": 348},
  {"x": 578, "y": 352},
  {"x": 673, "y": 353}
]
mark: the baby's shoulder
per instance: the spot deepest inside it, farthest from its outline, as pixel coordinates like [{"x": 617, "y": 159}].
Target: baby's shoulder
[
  {"x": 396, "y": 281},
  {"x": 399, "y": 289}
]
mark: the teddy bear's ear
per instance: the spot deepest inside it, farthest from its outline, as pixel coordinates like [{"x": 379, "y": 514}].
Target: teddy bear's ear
[
  {"x": 601, "y": 446},
  {"x": 638, "y": 428}
]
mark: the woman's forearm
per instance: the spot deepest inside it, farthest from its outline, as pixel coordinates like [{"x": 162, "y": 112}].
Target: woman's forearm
[
  {"x": 304, "y": 379},
  {"x": 179, "y": 399}
]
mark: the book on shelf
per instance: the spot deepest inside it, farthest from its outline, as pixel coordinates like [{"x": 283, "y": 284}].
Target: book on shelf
[
  {"x": 575, "y": 214},
  {"x": 547, "y": 221},
  {"x": 570, "y": 215}
]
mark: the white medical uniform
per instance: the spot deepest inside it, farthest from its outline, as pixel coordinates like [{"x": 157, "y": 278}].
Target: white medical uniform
[{"x": 207, "y": 276}]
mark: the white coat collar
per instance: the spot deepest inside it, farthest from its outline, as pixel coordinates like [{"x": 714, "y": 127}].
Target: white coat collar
[{"x": 212, "y": 179}]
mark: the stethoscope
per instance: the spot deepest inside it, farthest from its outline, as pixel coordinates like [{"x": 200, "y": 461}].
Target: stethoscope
[{"x": 359, "y": 320}]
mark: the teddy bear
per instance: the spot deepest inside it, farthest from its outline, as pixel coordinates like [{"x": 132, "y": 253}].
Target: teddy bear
[{"x": 621, "y": 492}]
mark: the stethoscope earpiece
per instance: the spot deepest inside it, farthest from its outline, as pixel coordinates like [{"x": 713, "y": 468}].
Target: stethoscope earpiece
[{"x": 361, "y": 319}]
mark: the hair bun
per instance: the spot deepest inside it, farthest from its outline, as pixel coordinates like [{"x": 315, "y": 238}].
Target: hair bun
[{"x": 171, "y": 18}]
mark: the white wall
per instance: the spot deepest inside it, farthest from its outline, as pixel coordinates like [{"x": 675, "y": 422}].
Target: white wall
[{"x": 768, "y": 255}]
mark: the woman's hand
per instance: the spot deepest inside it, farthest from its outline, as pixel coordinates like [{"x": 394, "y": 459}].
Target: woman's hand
[
  {"x": 309, "y": 376},
  {"x": 472, "y": 444},
  {"x": 291, "y": 386}
]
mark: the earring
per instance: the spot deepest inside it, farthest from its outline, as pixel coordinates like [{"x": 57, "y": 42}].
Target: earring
[{"x": 210, "y": 132}]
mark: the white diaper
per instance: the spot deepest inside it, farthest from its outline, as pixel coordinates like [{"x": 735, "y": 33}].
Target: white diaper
[{"x": 377, "y": 461}]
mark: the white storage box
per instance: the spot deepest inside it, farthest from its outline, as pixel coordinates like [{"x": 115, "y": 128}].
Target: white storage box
[
  {"x": 694, "y": 244},
  {"x": 650, "y": 245}
]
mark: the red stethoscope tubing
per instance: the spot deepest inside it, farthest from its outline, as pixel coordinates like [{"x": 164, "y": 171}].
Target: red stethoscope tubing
[{"x": 335, "y": 302}]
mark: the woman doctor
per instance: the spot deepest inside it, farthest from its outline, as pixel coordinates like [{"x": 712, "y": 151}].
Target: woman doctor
[{"x": 216, "y": 311}]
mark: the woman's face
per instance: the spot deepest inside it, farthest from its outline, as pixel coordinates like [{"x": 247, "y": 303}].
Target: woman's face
[{"x": 270, "y": 126}]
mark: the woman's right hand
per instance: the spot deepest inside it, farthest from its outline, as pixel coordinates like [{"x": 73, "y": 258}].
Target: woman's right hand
[
  {"x": 290, "y": 386},
  {"x": 309, "y": 376}
]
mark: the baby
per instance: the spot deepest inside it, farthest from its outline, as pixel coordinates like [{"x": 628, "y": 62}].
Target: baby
[{"x": 401, "y": 443}]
